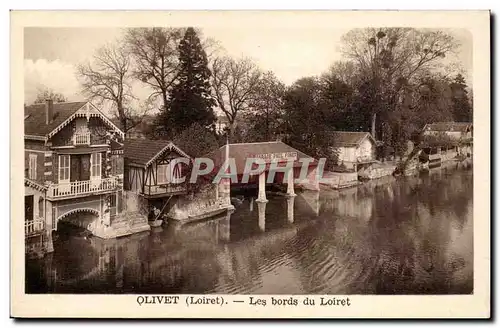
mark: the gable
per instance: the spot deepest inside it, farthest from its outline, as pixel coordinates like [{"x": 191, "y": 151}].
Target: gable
[
  {"x": 144, "y": 152},
  {"x": 87, "y": 111},
  {"x": 350, "y": 139},
  {"x": 34, "y": 118}
]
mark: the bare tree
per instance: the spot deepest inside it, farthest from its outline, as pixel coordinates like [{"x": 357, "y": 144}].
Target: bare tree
[
  {"x": 46, "y": 93},
  {"x": 390, "y": 58},
  {"x": 156, "y": 58},
  {"x": 234, "y": 83},
  {"x": 107, "y": 79}
]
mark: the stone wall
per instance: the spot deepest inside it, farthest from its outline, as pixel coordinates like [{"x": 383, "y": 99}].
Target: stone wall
[
  {"x": 202, "y": 203},
  {"x": 339, "y": 179}
]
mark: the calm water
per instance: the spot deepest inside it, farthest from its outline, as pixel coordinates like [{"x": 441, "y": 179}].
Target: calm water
[{"x": 393, "y": 236}]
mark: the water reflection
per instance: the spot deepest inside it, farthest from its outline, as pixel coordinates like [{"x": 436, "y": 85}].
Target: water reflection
[{"x": 407, "y": 235}]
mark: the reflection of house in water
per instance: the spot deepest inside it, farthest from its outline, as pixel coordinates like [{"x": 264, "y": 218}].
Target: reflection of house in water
[{"x": 348, "y": 203}]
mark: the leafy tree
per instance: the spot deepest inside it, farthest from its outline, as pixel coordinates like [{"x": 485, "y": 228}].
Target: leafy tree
[
  {"x": 234, "y": 83},
  {"x": 47, "y": 93},
  {"x": 190, "y": 100},
  {"x": 389, "y": 60},
  {"x": 266, "y": 108},
  {"x": 462, "y": 105},
  {"x": 306, "y": 119},
  {"x": 196, "y": 140}
]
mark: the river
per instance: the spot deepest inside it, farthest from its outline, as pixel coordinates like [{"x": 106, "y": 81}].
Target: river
[{"x": 405, "y": 235}]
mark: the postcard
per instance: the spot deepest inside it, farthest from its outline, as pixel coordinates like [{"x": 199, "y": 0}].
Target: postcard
[{"x": 250, "y": 164}]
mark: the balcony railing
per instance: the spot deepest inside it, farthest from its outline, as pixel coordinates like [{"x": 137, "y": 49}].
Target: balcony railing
[
  {"x": 81, "y": 138},
  {"x": 33, "y": 227},
  {"x": 81, "y": 188},
  {"x": 165, "y": 189}
]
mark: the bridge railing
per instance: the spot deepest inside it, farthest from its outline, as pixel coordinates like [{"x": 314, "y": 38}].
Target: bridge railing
[
  {"x": 33, "y": 227},
  {"x": 79, "y": 188}
]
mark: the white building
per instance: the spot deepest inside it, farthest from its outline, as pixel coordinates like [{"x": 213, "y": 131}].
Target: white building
[{"x": 354, "y": 148}]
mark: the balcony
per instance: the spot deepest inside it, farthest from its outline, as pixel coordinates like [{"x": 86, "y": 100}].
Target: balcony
[
  {"x": 165, "y": 190},
  {"x": 81, "y": 188},
  {"x": 33, "y": 227},
  {"x": 81, "y": 138}
]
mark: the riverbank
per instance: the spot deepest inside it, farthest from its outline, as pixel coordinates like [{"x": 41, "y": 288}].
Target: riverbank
[{"x": 344, "y": 246}]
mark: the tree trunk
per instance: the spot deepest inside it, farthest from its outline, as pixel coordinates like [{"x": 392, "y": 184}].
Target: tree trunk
[{"x": 374, "y": 119}]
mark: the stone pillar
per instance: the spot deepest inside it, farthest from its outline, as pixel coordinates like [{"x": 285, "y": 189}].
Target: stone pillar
[
  {"x": 312, "y": 199},
  {"x": 262, "y": 188},
  {"x": 105, "y": 213},
  {"x": 48, "y": 243},
  {"x": 290, "y": 187},
  {"x": 262, "y": 215},
  {"x": 290, "y": 203},
  {"x": 225, "y": 227}
]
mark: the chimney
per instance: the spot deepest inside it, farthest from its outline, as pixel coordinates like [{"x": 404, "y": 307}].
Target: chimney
[{"x": 49, "y": 110}]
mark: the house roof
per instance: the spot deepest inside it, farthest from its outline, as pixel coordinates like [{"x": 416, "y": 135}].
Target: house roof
[
  {"x": 34, "y": 122},
  {"x": 448, "y": 126},
  {"x": 349, "y": 139},
  {"x": 241, "y": 151},
  {"x": 144, "y": 151}
]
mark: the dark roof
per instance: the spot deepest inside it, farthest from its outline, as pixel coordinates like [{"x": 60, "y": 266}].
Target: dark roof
[
  {"x": 448, "y": 126},
  {"x": 34, "y": 122},
  {"x": 347, "y": 138},
  {"x": 241, "y": 151},
  {"x": 141, "y": 151}
]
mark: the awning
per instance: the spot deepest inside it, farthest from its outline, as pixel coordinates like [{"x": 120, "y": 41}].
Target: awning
[{"x": 81, "y": 150}]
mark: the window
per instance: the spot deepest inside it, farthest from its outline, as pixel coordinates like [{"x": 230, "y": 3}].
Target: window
[
  {"x": 162, "y": 174},
  {"x": 112, "y": 205},
  {"x": 64, "y": 163},
  {"x": 32, "y": 167},
  {"x": 116, "y": 165},
  {"x": 176, "y": 173},
  {"x": 95, "y": 171},
  {"x": 41, "y": 212}
]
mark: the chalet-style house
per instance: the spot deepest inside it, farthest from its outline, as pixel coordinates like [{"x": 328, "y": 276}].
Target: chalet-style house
[
  {"x": 354, "y": 148},
  {"x": 151, "y": 173},
  {"x": 73, "y": 170},
  {"x": 156, "y": 172}
]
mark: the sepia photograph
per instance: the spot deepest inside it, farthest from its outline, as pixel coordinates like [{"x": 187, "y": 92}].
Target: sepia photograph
[{"x": 197, "y": 159}]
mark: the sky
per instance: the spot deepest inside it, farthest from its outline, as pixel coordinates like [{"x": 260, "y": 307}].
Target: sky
[{"x": 51, "y": 54}]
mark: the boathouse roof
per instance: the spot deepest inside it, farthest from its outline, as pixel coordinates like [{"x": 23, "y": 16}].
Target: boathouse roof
[
  {"x": 145, "y": 151},
  {"x": 448, "y": 126},
  {"x": 265, "y": 150},
  {"x": 350, "y": 138}
]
